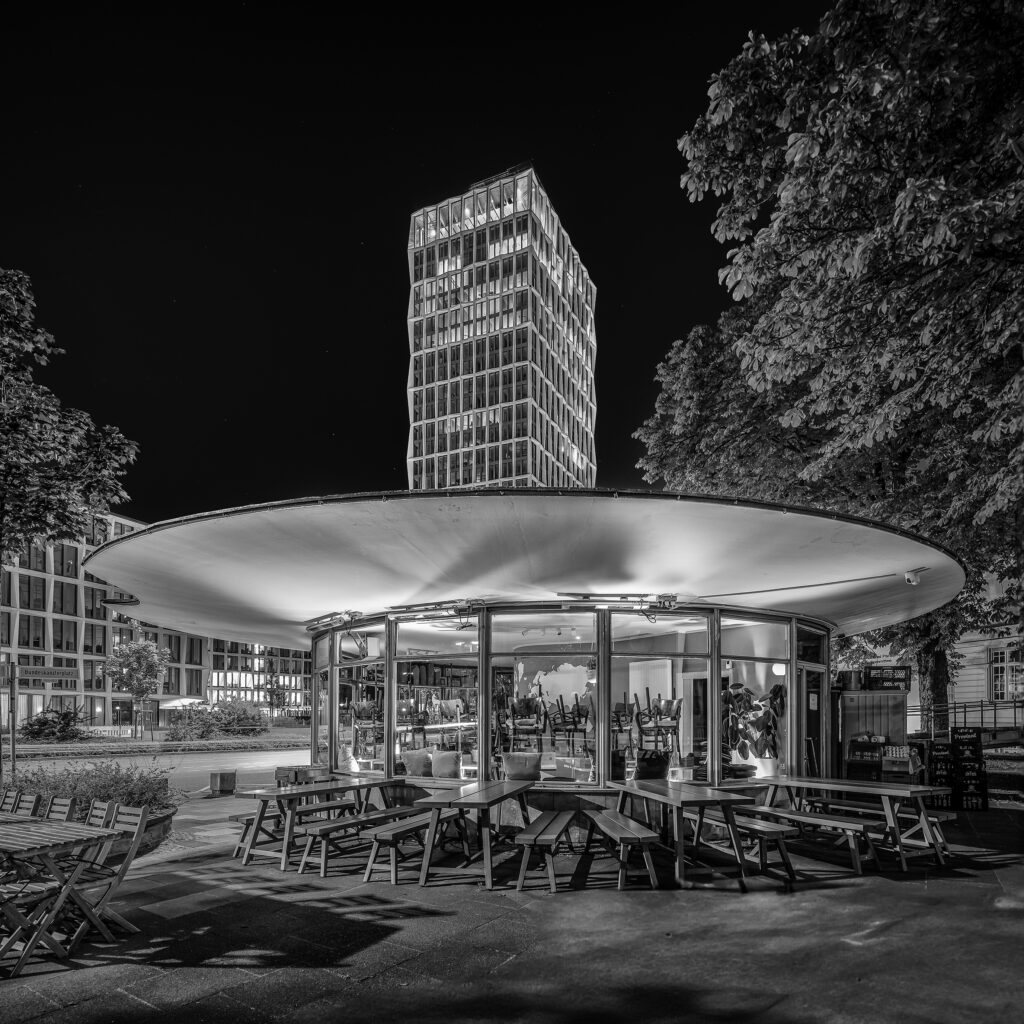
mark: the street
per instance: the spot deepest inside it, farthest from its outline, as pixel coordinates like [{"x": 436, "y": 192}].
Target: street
[{"x": 191, "y": 771}]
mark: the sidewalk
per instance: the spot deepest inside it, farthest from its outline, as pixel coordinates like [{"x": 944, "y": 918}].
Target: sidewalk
[{"x": 223, "y": 942}]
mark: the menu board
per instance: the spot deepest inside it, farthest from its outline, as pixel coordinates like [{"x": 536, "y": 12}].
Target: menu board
[{"x": 887, "y": 677}]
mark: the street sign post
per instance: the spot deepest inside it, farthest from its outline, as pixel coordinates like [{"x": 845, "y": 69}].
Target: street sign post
[{"x": 11, "y": 674}]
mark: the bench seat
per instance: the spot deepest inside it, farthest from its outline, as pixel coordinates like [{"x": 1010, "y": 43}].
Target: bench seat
[
  {"x": 856, "y": 830},
  {"x": 329, "y": 832},
  {"x": 392, "y": 833},
  {"x": 762, "y": 830},
  {"x": 624, "y": 834},
  {"x": 543, "y": 833},
  {"x": 936, "y": 816}
]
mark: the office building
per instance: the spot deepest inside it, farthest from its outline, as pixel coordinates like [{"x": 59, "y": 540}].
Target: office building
[
  {"x": 502, "y": 343},
  {"x": 55, "y": 615}
]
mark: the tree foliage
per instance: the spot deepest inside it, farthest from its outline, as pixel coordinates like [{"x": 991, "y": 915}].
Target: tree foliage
[
  {"x": 871, "y": 178},
  {"x": 57, "y": 467},
  {"x": 135, "y": 667}
]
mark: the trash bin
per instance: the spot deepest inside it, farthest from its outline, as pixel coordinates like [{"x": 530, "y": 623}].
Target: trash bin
[{"x": 222, "y": 783}]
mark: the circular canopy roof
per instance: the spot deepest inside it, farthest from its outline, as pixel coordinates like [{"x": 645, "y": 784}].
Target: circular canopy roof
[{"x": 263, "y": 573}]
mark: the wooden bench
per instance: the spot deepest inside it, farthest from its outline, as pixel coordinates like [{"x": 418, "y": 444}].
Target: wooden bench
[
  {"x": 275, "y": 819},
  {"x": 855, "y": 830},
  {"x": 543, "y": 833},
  {"x": 272, "y": 818},
  {"x": 935, "y": 815},
  {"x": 763, "y": 830},
  {"x": 392, "y": 833},
  {"x": 624, "y": 833},
  {"x": 328, "y": 833}
]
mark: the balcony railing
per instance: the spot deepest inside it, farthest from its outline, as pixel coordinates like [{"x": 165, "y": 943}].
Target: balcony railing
[{"x": 983, "y": 714}]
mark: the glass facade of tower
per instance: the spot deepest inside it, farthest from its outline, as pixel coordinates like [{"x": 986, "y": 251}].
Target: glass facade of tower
[{"x": 502, "y": 343}]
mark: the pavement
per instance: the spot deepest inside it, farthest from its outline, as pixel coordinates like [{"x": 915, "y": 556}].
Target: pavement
[{"x": 223, "y": 942}]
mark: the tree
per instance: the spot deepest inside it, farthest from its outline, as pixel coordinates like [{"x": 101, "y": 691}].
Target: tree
[
  {"x": 872, "y": 183},
  {"x": 57, "y": 467},
  {"x": 135, "y": 668},
  {"x": 277, "y": 693}
]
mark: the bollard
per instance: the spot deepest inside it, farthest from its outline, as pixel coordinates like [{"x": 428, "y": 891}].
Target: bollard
[{"x": 222, "y": 783}]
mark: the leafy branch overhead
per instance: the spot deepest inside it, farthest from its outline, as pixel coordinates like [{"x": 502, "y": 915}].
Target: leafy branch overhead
[
  {"x": 871, "y": 188},
  {"x": 57, "y": 467}
]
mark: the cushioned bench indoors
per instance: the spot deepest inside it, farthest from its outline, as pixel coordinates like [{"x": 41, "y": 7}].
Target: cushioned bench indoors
[
  {"x": 543, "y": 833},
  {"x": 763, "y": 830},
  {"x": 624, "y": 833},
  {"x": 855, "y": 830},
  {"x": 329, "y": 833},
  {"x": 392, "y": 833}
]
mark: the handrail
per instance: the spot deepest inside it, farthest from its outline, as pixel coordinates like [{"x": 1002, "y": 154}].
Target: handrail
[{"x": 984, "y": 714}]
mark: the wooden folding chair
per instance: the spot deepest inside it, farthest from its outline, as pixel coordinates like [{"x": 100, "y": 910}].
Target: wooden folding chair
[
  {"x": 25, "y": 804},
  {"x": 7, "y": 800},
  {"x": 98, "y": 883},
  {"x": 24, "y": 915},
  {"x": 59, "y": 808}
]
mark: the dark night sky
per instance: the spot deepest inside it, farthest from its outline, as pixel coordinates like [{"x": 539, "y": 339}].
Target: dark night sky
[{"x": 214, "y": 213}]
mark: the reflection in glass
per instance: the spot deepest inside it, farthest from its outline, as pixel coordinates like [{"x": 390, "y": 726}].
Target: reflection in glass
[
  {"x": 662, "y": 633},
  {"x": 749, "y": 638}
]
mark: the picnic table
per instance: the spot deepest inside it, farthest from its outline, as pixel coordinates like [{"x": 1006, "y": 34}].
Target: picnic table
[
  {"x": 682, "y": 795},
  {"x": 478, "y": 796},
  {"x": 292, "y": 801},
  {"x": 40, "y": 842},
  {"x": 907, "y": 831}
]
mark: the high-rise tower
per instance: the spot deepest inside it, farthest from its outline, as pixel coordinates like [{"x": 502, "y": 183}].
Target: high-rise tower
[{"x": 501, "y": 341}]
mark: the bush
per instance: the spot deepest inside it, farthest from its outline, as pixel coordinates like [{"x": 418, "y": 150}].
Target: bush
[
  {"x": 130, "y": 784},
  {"x": 196, "y": 722},
  {"x": 239, "y": 718},
  {"x": 53, "y": 726}
]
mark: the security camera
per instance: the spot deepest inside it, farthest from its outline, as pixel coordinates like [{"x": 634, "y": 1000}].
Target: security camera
[{"x": 912, "y": 577}]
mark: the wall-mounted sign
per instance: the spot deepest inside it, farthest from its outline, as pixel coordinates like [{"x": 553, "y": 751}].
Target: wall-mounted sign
[{"x": 887, "y": 677}]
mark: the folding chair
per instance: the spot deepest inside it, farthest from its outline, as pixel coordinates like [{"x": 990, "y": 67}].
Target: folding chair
[
  {"x": 59, "y": 808},
  {"x": 25, "y": 916},
  {"x": 25, "y": 804},
  {"x": 7, "y": 800},
  {"x": 98, "y": 883}
]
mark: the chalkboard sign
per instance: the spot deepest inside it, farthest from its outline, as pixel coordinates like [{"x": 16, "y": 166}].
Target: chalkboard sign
[{"x": 887, "y": 677}]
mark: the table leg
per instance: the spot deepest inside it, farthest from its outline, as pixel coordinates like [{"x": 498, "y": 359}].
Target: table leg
[
  {"x": 428, "y": 844},
  {"x": 620, "y": 804},
  {"x": 289, "y": 831},
  {"x": 524, "y": 808},
  {"x": 892, "y": 826},
  {"x": 677, "y": 835},
  {"x": 484, "y": 827},
  {"x": 254, "y": 831},
  {"x": 927, "y": 831},
  {"x": 737, "y": 845}
]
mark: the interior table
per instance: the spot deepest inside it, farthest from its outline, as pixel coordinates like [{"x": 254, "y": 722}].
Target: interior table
[
  {"x": 479, "y": 796},
  {"x": 40, "y": 842},
  {"x": 893, "y": 797},
  {"x": 681, "y": 795},
  {"x": 290, "y": 798}
]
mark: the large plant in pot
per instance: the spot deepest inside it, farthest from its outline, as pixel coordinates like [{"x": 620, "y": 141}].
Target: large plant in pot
[{"x": 750, "y": 728}]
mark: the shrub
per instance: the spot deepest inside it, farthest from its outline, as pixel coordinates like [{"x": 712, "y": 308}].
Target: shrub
[
  {"x": 53, "y": 726},
  {"x": 239, "y": 718},
  {"x": 130, "y": 784},
  {"x": 197, "y": 722}
]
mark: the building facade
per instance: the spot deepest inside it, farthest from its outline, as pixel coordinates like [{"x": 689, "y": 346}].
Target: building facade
[
  {"x": 54, "y": 614},
  {"x": 502, "y": 343}
]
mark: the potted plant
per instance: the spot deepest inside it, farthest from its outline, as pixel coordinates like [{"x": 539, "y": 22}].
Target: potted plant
[{"x": 750, "y": 726}]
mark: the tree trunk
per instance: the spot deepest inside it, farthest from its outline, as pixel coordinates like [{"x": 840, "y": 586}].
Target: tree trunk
[{"x": 933, "y": 679}]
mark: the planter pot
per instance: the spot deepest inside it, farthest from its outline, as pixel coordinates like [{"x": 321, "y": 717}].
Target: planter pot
[{"x": 158, "y": 828}]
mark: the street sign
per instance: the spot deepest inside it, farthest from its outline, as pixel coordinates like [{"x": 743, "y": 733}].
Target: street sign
[{"x": 44, "y": 672}]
